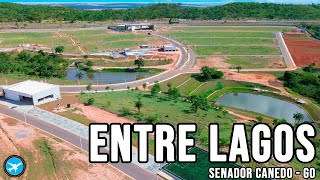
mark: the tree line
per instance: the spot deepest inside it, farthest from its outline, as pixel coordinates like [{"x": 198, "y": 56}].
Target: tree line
[
  {"x": 313, "y": 28},
  {"x": 10, "y": 12},
  {"x": 306, "y": 84}
]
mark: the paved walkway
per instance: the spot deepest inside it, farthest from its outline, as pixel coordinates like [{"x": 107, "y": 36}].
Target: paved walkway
[
  {"x": 73, "y": 127},
  {"x": 62, "y": 122}
]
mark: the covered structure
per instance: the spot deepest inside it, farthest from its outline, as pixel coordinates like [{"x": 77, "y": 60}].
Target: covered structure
[
  {"x": 32, "y": 92},
  {"x": 169, "y": 47},
  {"x": 134, "y": 27}
]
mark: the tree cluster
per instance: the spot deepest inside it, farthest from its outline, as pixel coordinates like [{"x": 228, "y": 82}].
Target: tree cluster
[
  {"x": 313, "y": 28},
  {"x": 10, "y": 12},
  {"x": 304, "y": 84},
  {"x": 208, "y": 73},
  {"x": 40, "y": 64}
]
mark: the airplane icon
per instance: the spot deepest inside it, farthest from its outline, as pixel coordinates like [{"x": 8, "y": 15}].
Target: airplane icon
[{"x": 14, "y": 167}]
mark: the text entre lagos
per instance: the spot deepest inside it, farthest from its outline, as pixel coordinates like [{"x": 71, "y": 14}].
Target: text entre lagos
[{"x": 113, "y": 143}]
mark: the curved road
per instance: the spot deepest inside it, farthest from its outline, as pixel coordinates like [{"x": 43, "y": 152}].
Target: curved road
[{"x": 184, "y": 65}]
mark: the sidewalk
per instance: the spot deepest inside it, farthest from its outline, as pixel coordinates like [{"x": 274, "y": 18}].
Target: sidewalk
[{"x": 73, "y": 127}]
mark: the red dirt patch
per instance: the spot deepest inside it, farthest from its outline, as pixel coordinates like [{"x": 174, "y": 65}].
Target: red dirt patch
[
  {"x": 304, "y": 49},
  {"x": 294, "y": 32},
  {"x": 99, "y": 115}
]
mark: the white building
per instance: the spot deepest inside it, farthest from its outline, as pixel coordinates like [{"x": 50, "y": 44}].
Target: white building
[
  {"x": 32, "y": 91},
  {"x": 169, "y": 47}
]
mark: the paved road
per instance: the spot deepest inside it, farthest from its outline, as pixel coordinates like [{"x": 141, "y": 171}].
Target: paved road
[
  {"x": 285, "y": 52},
  {"x": 131, "y": 169}
]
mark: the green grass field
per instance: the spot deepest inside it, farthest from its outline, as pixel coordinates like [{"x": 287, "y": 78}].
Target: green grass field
[
  {"x": 232, "y": 28},
  {"x": 88, "y": 40},
  {"x": 236, "y": 50},
  {"x": 242, "y": 41},
  {"x": 102, "y": 40},
  {"x": 246, "y": 62},
  {"x": 191, "y": 86},
  {"x": 256, "y": 61},
  {"x": 162, "y": 107},
  {"x": 228, "y": 41},
  {"x": 191, "y": 34}
]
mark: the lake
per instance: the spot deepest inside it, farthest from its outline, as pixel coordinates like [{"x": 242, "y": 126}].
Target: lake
[
  {"x": 269, "y": 106},
  {"x": 107, "y": 77}
]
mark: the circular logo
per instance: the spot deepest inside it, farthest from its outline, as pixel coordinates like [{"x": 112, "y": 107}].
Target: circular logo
[{"x": 14, "y": 166}]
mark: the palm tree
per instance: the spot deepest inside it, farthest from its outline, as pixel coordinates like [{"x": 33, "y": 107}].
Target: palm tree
[
  {"x": 89, "y": 87},
  {"x": 144, "y": 86},
  {"x": 138, "y": 104},
  {"x": 238, "y": 68},
  {"x": 79, "y": 75},
  {"x": 298, "y": 117}
]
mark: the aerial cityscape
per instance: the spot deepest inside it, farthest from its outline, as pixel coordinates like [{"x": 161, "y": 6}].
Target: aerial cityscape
[{"x": 67, "y": 65}]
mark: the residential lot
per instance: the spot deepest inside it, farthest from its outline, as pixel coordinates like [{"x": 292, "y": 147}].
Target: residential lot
[
  {"x": 77, "y": 42},
  {"x": 248, "y": 47},
  {"x": 304, "y": 49}
]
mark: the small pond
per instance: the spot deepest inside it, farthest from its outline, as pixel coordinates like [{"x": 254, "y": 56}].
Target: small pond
[
  {"x": 107, "y": 77},
  {"x": 269, "y": 106}
]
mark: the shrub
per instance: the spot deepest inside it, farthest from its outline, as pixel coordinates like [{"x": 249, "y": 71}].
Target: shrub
[
  {"x": 90, "y": 101},
  {"x": 155, "y": 89},
  {"x": 151, "y": 119},
  {"x": 126, "y": 112},
  {"x": 210, "y": 73}
]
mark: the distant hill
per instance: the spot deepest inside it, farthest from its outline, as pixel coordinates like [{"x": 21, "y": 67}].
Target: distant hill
[{"x": 10, "y": 12}]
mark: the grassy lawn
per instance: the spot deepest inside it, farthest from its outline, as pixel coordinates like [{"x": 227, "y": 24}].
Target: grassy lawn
[
  {"x": 47, "y": 39},
  {"x": 236, "y": 50},
  {"x": 178, "y": 80},
  {"x": 233, "y": 28},
  {"x": 187, "y": 84},
  {"x": 121, "y": 63},
  {"x": 89, "y": 40},
  {"x": 102, "y": 40},
  {"x": 256, "y": 61},
  {"x": 187, "y": 35},
  {"x": 233, "y": 40},
  {"x": 162, "y": 108},
  {"x": 228, "y": 41},
  {"x": 15, "y": 78}
]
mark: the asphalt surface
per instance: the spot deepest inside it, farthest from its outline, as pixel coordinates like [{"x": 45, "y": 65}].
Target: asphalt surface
[
  {"x": 130, "y": 169},
  {"x": 285, "y": 52}
]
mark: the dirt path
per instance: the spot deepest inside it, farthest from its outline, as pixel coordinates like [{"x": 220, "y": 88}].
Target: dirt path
[
  {"x": 59, "y": 34},
  {"x": 241, "y": 118},
  {"x": 98, "y": 115},
  {"x": 75, "y": 44}
]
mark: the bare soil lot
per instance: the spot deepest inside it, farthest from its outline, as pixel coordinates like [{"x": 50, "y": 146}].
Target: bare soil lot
[
  {"x": 304, "y": 49},
  {"x": 48, "y": 157}
]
